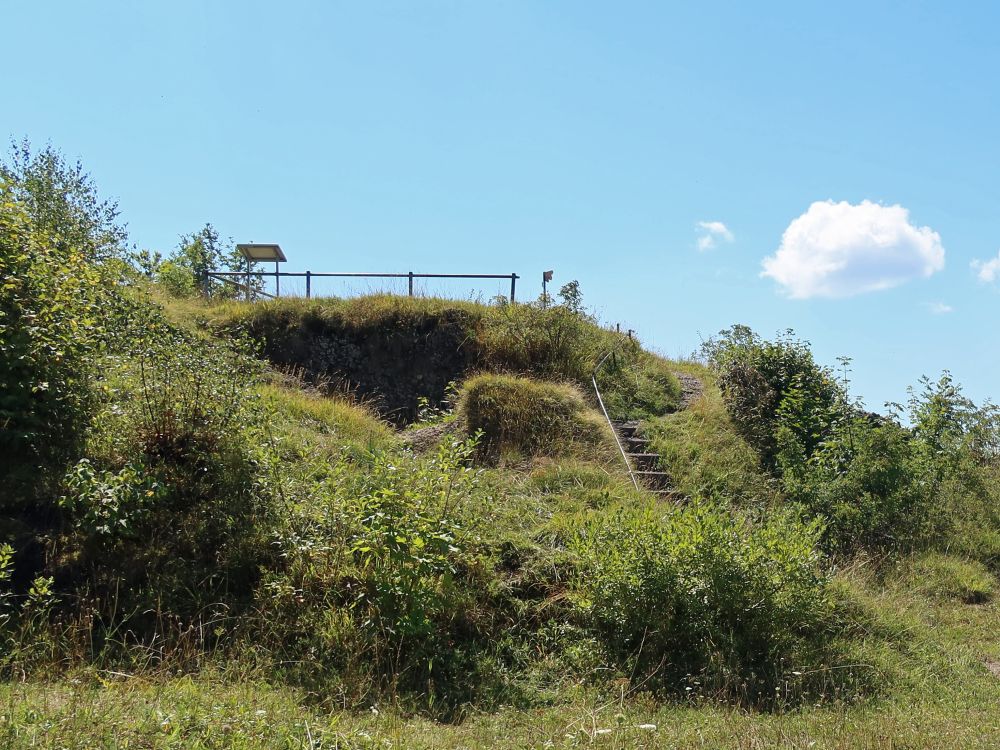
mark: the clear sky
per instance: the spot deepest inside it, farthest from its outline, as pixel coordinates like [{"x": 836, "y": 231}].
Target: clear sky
[{"x": 658, "y": 152}]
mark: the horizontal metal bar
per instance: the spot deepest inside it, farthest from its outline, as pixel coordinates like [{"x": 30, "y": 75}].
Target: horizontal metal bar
[
  {"x": 315, "y": 274},
  {"x": 242, "y": 286}
]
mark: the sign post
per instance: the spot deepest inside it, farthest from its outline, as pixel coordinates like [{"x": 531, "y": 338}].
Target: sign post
[{"x": 546, "y": 278}]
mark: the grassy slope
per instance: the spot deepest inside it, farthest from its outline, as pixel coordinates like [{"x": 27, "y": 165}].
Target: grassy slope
[{"x": 932, "y": 645}]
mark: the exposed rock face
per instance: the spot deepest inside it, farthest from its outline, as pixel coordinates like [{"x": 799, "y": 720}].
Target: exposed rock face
[{"x": 392, "y": 362}]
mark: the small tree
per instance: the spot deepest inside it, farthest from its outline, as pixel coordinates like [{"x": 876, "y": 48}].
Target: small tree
[
  {"x": 61, "y": 201},
  {"x": 185, "y": 272}
]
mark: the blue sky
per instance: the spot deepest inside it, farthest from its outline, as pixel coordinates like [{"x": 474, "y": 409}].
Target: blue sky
[{"x": 590, "y": 138}]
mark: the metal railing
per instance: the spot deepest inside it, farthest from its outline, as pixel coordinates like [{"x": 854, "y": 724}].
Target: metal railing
[
  {"x": 247, "y": 286},
  {"x": 600, "y": 400}
]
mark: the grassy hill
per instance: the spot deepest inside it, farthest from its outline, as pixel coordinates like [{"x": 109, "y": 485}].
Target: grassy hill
[{"x": 404, "y": 522}]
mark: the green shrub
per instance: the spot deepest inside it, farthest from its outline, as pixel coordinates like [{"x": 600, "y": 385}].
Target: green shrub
[
  {"x": 870, "y": 485},
  {"x": 773, "y": 385},
  {"x": 875, "y": 483},
  {"x": 50, "y": 333},
  {"x": 391, "y": 546},
  {"x": 174, "y": 503},
  {"x": 699, "y": 597},
  {"x": 530, "y": 417}
]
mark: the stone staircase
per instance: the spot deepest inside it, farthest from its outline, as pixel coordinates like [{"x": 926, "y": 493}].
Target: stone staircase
[{"x": 645, "y": 465}]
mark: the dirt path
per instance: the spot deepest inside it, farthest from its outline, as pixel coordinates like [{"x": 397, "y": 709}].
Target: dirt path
[{"x": 691, "y": 388}]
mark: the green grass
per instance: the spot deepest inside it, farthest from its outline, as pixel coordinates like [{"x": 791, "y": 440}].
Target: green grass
[
  {"x": 704, "y": 454},
  {"x": 506, "y": 653},
  {"x": 944, "y": 696},
  {"x": 524, "y": 416},
  {"x": 333, "y": 421}
]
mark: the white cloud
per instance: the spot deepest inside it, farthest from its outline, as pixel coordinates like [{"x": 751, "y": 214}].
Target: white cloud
[
  {"x": 710, "y": 232},
  {"x": 987, "y": 270},
  {"x": 940, "y": 308},
  {"x": 842, "y": 249}
]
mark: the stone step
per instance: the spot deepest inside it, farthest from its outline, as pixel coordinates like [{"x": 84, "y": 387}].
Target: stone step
[
  {"x": 644, "y": 460},
  {"x": 637, "y": 441},
  {"x": 626, "y": 429}
]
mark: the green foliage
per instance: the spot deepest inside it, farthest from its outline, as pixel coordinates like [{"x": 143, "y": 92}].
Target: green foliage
[
  {"x": 572, "y": 297},
  {"x": 707, "y": 457},
  {"x": 869, "y": 483},
  {"x": 108, "y": 503},
  {"x": 50, "y": 332},
  {"x": 411, "y": 541},
  {"x": 876, "y": 483},
  {"x": 529, "y": 417},
  {"x": 701, "y": 598},
  {"x": 178, "y": 443},
  {"x": 379, "y": 578},
  {"x": 62, "y": 204},
  {"x": 185, "y": 272},
  {"x": 772, "y": 388},
  {"x": 946, "y": 577}
]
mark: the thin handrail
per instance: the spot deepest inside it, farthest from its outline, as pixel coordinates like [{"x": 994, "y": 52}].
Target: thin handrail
[
  {"x": 375, "y": 275},
  {"x": 310, "y": 275},
  {"x": 600, "y": 401},
  {"x": 244, "y": 287}
]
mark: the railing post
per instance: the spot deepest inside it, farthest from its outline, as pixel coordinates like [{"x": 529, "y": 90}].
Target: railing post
[
  {"x": 248, "y": 280},
  {"x": 513, "y": 281},
  {"x": 410, "y": 276},
  {"x": 308, "y": 284},
  {"x": 277, "y": 281}
]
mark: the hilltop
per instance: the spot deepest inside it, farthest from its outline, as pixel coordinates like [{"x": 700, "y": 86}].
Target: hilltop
[{"x": 348, "y": 522}]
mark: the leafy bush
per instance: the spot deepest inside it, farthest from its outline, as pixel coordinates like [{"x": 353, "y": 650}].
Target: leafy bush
[
  {"x": 390, "y": 549},
  {"x": 873, "y": 481},
  {"x": 50, "y": 330},
  {"x": 769, "y": 386},
  {"x": 701, "y": 598},
  {"x": 185, "y": 272},
  {"x": 531, "y": 417},
  {"x": 174, "y": 502},
  {"x": 62, "y": 204}
]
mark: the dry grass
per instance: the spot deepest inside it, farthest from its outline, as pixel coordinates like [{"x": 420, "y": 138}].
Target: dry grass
[{"x": 523, "y": 416}]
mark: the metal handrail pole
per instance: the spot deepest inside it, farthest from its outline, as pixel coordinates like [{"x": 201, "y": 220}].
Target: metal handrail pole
[{"x": 600, "y": 401}]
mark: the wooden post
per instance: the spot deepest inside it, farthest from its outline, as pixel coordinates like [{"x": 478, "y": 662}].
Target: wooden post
[
  {"x": 410, "y": 275},
  {"x": 308, "y": 283},
  {"x": 513, "y": 281}
]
